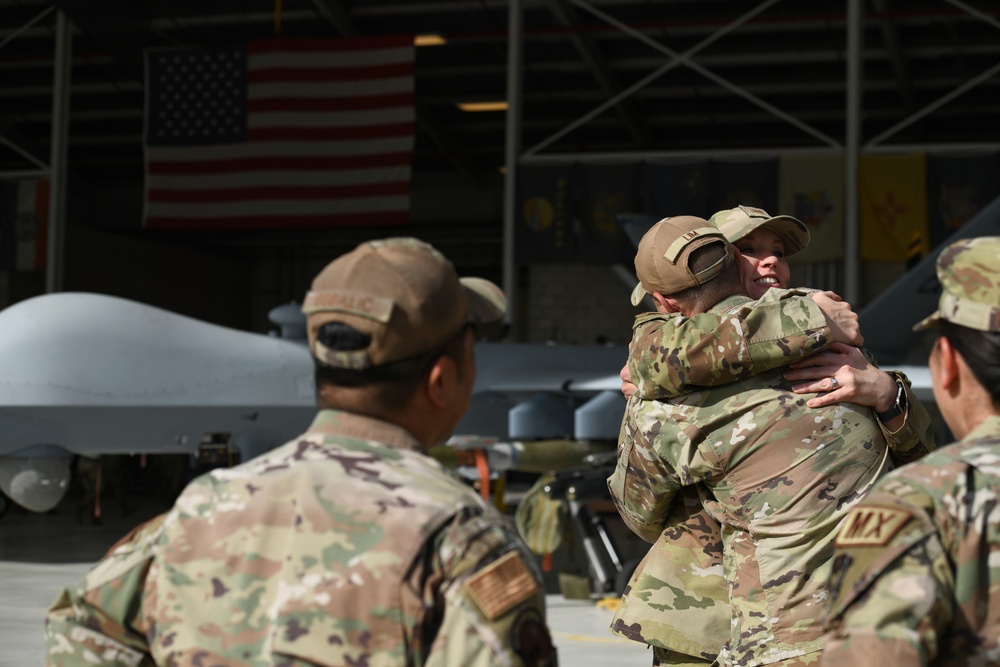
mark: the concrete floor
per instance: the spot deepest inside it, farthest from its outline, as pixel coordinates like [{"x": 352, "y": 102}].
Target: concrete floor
[{"x": 40, "y": 554}]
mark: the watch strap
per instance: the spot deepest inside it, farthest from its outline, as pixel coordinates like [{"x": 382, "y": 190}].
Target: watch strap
[{"x": 897, "y": 408}]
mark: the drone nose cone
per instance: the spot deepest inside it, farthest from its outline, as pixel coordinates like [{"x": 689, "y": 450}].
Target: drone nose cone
[{"x": 36, "y": 483}]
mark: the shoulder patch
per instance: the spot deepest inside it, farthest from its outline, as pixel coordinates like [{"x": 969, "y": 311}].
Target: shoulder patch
[
  {"x": 871, "y": 526},
  {"x": 501, "y": 585}
]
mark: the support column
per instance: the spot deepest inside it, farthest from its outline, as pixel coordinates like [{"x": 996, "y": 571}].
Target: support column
[
  {"x": 57, "y": 160},
  {"x": 515, "y": 63},
  {"x": 852, "y": 266}
]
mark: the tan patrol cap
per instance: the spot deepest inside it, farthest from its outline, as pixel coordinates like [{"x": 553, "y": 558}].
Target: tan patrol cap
[
  {"x": 404, "y": 294},
  {"x": 661, "y": 263},
  {"x": 969, "y": 273},
  {"x": 737, "y": 222}
]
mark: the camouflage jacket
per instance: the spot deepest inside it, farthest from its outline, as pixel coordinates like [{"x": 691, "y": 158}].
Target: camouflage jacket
[
  {"x": 666, "y": 361},
  {"x": 677, "y": 597},
  {"x": 673, "y": 356},
  {"x": 347, "y": 545},
  {"x": 918, "y": 563},
  {"x": 777, "y": 476}
]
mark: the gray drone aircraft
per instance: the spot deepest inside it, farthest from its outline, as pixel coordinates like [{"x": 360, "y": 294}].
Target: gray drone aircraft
[{"x": 91, "y": 374}]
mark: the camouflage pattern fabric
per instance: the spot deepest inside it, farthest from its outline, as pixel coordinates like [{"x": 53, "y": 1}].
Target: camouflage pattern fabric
[
  {"x": 970, "y": 285},
  {"x": 346, "y": 546},
  {"x": 918, "y": 561},
  {"x": 688, "y": 554},
  {"x": 677, "y": 599},
  {"x": 681, "y": 355},
  {"x": 690, "y": 353},
  {"x": 777, "y": 476}
]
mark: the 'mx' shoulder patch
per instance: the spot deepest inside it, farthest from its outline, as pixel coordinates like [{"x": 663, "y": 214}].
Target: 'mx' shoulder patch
[
  {"x": 871, "y": 526},
  {"x": 501, "y": 585}
]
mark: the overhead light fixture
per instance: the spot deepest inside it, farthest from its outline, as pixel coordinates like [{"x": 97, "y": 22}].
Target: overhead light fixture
[
  {"x": 429, "y": 40},
  {"x": 483, "y": 106}
]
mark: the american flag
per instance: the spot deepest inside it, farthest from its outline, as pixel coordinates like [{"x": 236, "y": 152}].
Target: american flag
[{"x": 280, "y": 134}]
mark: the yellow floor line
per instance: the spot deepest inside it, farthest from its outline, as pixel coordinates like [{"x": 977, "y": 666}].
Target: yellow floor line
[{"x": 591, "y": 638}]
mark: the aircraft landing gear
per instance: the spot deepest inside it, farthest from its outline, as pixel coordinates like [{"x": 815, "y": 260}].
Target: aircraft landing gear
[{"x": 589, "y": 503}]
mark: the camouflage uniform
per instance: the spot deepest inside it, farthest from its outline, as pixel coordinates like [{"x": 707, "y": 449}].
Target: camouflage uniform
[
  {"x": 777, "y": 476},
  {"x": 668, "y": 360},
  {"x": 268, "y": 564},
  {"x": 918, "y": 562}
]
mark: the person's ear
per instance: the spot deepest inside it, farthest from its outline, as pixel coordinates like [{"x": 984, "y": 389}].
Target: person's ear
[
  {"x": 948, "y": 364},
  {"x": 441, "y": 381},
  {"x": 664, "y": 304}
]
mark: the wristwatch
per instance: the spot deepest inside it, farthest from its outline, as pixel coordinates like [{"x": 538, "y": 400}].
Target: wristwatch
[{"x": 897, "y": 408}]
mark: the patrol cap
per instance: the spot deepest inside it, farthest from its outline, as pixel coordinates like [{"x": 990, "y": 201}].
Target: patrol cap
[
  {"x": 737, "y": 222},
  {"x": 402, "y": 293},
  {"x": 661, "y": 263},
  {"x": 969, "y": 273}
]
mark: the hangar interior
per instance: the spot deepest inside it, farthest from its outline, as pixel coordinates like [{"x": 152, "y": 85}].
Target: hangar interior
[
  {"x": 599, "y": 80},
  {"x": 605, "y": 82}
]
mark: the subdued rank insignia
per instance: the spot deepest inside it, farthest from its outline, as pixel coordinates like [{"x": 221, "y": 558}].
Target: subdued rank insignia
[
  {"x": 870, "y": 526},
  {"x": 501, "y": 585}
]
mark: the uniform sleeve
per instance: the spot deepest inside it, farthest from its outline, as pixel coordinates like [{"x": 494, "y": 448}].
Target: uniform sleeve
[
  {"x": 492, "y": 595},
  {"x": 893, "y": 590},
  {"x": 98, "y": 621},
  {"x": 646, "y": 479},
  {"x": 915, "y": 436},
  {"x": 670, "y": 355}
]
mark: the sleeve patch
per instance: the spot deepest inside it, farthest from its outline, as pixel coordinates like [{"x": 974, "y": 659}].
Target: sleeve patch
[
  {"x": 501, "y": 585},
  {"x": 870, "y": 526}
]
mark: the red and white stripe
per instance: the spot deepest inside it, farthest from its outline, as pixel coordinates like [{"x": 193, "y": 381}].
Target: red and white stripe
[{"x": 330, "y": 127}]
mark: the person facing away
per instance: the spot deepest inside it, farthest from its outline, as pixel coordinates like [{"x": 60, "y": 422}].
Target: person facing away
[
  {"x": 917, "y": 571},
  {"x": 683, "y": 354},
  {"x": 348, "y": 545},
  {"x": 777, "y": 476}
]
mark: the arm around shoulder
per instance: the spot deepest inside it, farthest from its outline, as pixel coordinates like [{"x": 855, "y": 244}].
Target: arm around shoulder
[{"x": 671, "y": 355}]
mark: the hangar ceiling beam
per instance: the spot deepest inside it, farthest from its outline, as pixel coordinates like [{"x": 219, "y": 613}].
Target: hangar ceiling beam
[
  {"x": 567, "y": 17},
  {"x": 337, "y": 16},
  {"x": 890, "y": 35},
  {"x": 27, "y": 26},
  {"x": 677, "y": 59},
  {"x": 10, "y": 136},
  {"x": 948, "y": 97}
]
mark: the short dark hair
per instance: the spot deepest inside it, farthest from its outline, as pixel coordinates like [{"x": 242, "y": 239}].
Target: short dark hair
[
  {"x": 396, "y": 381},
  {"x": 702, "y": 297},
  {"x": 981, "y": 351}
]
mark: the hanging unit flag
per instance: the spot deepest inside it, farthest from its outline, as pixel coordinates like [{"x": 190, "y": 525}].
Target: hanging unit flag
[
  {"x": 892, "y": 205},
  {"x": 280, "y": 134},
  {"x": 811, "y": 188}
]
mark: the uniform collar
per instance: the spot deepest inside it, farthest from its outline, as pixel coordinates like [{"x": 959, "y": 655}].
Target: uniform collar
[
  {"x": 731, "y": 302},
  {"x": 339, "y": 422},
  {"x": 989, "y": 426}
]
